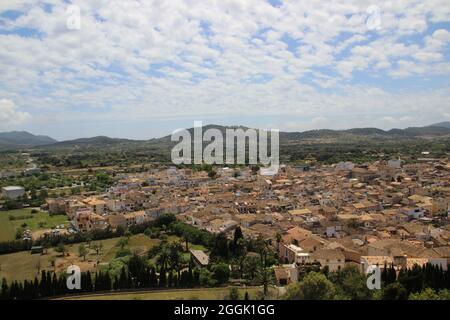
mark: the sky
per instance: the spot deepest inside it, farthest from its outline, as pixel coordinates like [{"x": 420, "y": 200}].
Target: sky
[{"x": 141, "y": 69}]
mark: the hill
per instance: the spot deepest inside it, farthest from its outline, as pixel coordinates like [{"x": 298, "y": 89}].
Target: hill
[
  {"x": 23, "y": 139},
  {"x": 99, "y": 141},
  {"x": 445, "y": 124}
]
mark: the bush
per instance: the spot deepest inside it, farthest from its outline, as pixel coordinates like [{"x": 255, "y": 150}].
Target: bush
[
  {"x": 315, "y": 286},
  {"x": 123, "y": 253},
  {"x": 221, "y": 273}
]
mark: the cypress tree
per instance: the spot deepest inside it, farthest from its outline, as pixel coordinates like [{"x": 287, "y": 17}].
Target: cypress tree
[
  {"x": 170, "y": 279},
  {"x": 4, "y": 289},
  {"x": 153, "y": 278},
  {"x": 162, "y": 278}
]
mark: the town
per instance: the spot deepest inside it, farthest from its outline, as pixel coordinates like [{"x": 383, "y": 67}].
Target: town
[{"x": 388, "y": 214}]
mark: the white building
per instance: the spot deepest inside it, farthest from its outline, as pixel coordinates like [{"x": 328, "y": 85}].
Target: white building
[
  {"x": 415, "y": 213},
  {"x": 293, "y": 254},
  {"x": 345, "y": 166},
  {"x": 395, "y": 163},
  {"x": 13, "y": 192},
  {"x": 32, "y": 171}
]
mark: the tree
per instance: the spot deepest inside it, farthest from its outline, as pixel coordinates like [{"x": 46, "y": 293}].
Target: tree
[
  {"x": 52, "y": 261},
  {"x": 122, "y": 243},
  {"x": 251, "y": 264},
  {"x": 163, "y": 257},
  {"x": 394, "y": 291},
  {"x": 82, "y": 251},
  {"x": 61, "y": 248},
  {"x": 350, "y": 284},
  {"x": 221, "y": 273},
  {"x": 220, "y": 247},
  {"x": 315, "y": 286},
  {"x": 265, "y": 278},
  {"x": 233, "y": 294},
  {"x": 237, "y": 235},
  {"x": 137, "y": 268},
  {"x": 212, "y": 174},
  {"x": 175, "y": 250},
  {"x": 278, "y": 237},
  {"x": 426, "y": 294}
]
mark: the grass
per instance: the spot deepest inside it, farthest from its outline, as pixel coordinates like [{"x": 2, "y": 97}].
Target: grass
[
  {"x": 177, "y": 294},
  {"x": 139, "y": 243},
  {"x": 23, "y": 265},
  {"x": 37, "y": 221}
]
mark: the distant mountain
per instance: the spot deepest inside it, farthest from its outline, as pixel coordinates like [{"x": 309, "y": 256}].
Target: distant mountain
[
  {"x": 445, "y": 124},
  {"x": 98, "y": 141},
  {"x": 23, "y": 139},
  {"x": 17, "y": 140},
  {"x": 367, "y": 133}
]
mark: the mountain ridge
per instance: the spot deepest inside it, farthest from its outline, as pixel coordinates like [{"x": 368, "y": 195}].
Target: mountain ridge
[{"x": 23, "y": 139}]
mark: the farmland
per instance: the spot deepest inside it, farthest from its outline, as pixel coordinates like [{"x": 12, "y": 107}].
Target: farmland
[{"x": 13, "y": 220}]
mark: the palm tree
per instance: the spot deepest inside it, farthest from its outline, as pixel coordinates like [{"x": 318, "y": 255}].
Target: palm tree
[
  {"x": 175, "y": 250},
  {"x": 163, "y": 257}
]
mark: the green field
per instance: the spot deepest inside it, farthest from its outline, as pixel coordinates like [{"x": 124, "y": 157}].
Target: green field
[
  {"x": 25, "y": 266},
  {"x": 181, "y": 294},
  {"x": 33, "y": 221}
]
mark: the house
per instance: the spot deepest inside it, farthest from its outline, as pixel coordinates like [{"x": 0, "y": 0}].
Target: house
[
  {"x": 345, "y": 166},
  {"x": 392, "y": 247},
  {"x": 286, "y": 274},
  {"x": 200, "y": 258},
  {"x": 295, "y": 235},
  {"x": 116, "y": 220},
  {"x": 115, "y": 205},
  {"x": 13, "y": 192},
  {"x": 97, "y": 205},
  {"x": 414, "y": 213},
  {"x": 395, "y": 163},
  {"x": 98, "y": 222},
  {"x": 333, "y": 259},
  {"x": 375, "y": 261},
  {"x": 300, "y": 212},
  {"x": 290, "y": 253},
  {"x": 81, "y": 220},
  {"x": 137, "y": 217},
  {"x": 32, "y": 171},
  {"x": 56, "y": 206}
]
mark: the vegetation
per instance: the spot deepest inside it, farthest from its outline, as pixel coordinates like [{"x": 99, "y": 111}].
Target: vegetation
[
  {"x": 418, "y": 283},
  {"x": 26, "y": 219}
]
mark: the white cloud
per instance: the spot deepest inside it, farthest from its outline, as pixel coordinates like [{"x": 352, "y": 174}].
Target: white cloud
[
  {"x": 155, "y": 59},
  {"x": 9, "y": 115}
]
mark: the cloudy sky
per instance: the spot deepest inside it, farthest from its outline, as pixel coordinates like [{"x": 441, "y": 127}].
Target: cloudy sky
[{"x": 140, "y": 69}]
